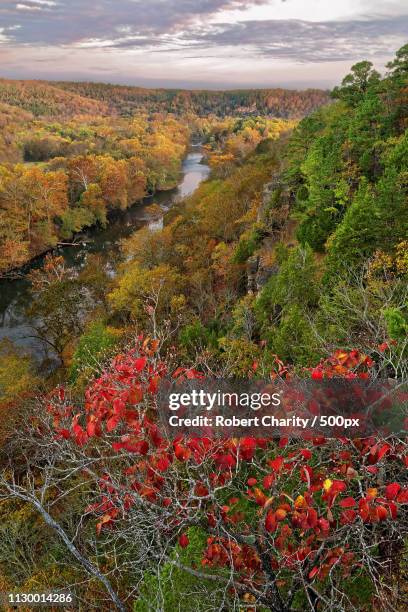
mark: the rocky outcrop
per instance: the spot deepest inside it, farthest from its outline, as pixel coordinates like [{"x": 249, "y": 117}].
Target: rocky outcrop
[{"x": 273, "y": 216}]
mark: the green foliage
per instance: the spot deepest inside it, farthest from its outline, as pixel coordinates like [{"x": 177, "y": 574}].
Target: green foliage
[
  {"x": 171, "y": 588},
  {"x": 294, "y": 339},
  {"x": 359, "y": 588},
  {"x": 247, "y": 246},
  {"x": 197, "y": 336},
  {"x": 93, "y": 348},
  {"x": 75, "y": 219},
  {"x": 286, "y": 305},
  {"x": 295, "y": 283},
  {"x": 244, "y": 322},
  {"x": 356, "y": 84},
  {"x": 377, "y": 216},
  {"x": 356, "y": 237},
  {"x": 397, "y": 323},
  {"x": 240, "y": 355},
  {"x": 399, "y": 66},
  {"x": 347, "y": 166}
]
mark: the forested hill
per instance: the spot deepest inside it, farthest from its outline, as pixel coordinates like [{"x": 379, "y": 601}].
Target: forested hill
[
  {"x": 284, "y": 103},
  {"x": 66, "y": 99},
  {"x": 45, "y": 99}
]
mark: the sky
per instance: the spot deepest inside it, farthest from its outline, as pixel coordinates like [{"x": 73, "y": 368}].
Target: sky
[{"x": 217, "y": 44}]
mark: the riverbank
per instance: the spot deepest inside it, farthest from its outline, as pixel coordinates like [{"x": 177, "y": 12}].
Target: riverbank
[{"x": 16, "y": 326}]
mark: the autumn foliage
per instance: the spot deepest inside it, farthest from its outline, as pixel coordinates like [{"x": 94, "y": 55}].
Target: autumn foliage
[{"x": 281, "y": 515}]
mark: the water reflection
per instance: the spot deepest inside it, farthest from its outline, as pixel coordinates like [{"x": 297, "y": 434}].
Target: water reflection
[{"x": 14, "y": 294}]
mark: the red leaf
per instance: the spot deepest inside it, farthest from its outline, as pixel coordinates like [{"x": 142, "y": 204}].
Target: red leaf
[
  {"x": 348, "y": 502},
  {"x": 182, "y": 453},
  {"x": 372, "y": 469},
  {"x": 112, "y": 423},
  {"x": 276, "y": 463},
  {"x": 270, "y": 521},
  {"x": 200, "y": 490},
  {"x": 247, "y": 448},
  {"x": 268, "y": 481},
  {"x": 141, "y": 447},
  {"x": 364, "y": 509},
  {"x": 260, "y": 497},
  {"x": 323, "y": 524},
  {"x": 93, "y": 428},
  {"x": 338, "y": 486},
  {"x": 382, "y": 513},
  {"x": 140, "y": 363},
  {"x": 392, "y": 490},
  {"x": 81, "y": 437},
  {"x": 313, "y": 572},
  {"x": 311, "y": 517},
  {"x": 192, "y": 373},
  {"x": 119, "y": 406},
  {"x": 384, "y": 449},
  {"x": 64, "y": 433},
  {"x": 117, "y": 446},
  {"x": 163, "y": 463},
  {"x": 154, "y": 384},
  {"x": 183, "y": 541},
  {"x": 403, "y": 497},
  {"x": 317, "y": 374}
]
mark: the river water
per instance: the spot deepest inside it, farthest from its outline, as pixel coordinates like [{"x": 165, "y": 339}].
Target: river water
[{"x": 15, "y": 295}]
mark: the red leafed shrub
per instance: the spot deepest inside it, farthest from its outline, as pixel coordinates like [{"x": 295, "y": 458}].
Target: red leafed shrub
[{"x": 283, "y": 516}]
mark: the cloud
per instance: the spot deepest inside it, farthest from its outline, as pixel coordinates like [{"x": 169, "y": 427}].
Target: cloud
[
  {"x": 305, "y": 41},
  {"x": 34, "y": 5},
  {"x": 183, "y": 25},
  {"x": 49, "y": 22},
  {"x": 7, "y": 33},
  {"x": 28, "y": 7}
]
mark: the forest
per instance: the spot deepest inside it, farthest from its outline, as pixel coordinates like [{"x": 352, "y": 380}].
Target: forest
[
  {"x": 68, "y": 158},
  {"x": 290, "y": 261},
  {"x": 50, "y": 98}
]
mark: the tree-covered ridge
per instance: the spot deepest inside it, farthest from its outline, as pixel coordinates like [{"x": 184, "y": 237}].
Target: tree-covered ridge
[
  {"x": 67, "y": 99},
  {"x": 44, "y": 99},
  {"x": 283, "y": 103}
]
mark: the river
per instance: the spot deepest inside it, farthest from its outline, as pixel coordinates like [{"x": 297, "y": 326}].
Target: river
[{"x": 15, "y": 295}]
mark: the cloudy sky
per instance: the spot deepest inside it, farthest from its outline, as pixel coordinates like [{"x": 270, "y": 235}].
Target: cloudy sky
[{"x": 198, "y": 43}]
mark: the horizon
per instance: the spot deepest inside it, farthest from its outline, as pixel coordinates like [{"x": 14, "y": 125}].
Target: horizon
[
  {"x": 168, "y": 88},
  {"x": 203, "y": 44}
]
